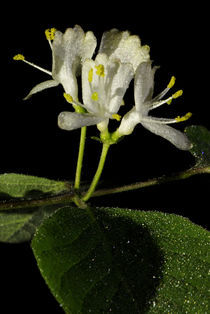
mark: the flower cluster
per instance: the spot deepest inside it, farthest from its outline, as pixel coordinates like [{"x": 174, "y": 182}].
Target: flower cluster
[{"x": 105, "y": 79}]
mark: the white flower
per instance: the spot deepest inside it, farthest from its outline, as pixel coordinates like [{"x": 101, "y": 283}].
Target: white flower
[
  {"x": 69, "y": 50},
  {"x": 105, "y": 81},
  {"x": 144, "y": 103}
]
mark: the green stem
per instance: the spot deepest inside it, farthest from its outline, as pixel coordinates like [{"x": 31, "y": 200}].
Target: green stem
[
  {"x": 80, "y": 158},
  {"x": 69, "y": 197},
  {"x": 98, "y": 172}
]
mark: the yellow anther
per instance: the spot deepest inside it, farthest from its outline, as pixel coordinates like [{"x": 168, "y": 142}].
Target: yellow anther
[
  {"x": 169, "y": 102},
  {"x": 50, "y": 33},
  {"x": 116, "y": 116},
  {"x": 19, "y": 57},
  {"x": 94, "y": 96},
  {"x": 100, "y": 70},
  {"x": 172, "y": 82},
  {"x": 90, "y": 75},
  {"x": 177, "y": 94},
  {"x": 68, "y": 97},
  {"x": 184, "y": 118}
]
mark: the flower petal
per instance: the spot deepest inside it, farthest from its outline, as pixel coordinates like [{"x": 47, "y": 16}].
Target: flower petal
[
  {"x": 144, "y": 86},
  {"x": 129, "y": 121},
  {"x": 111, "y": 40},
  {"x": 88, "y": 47},
  {"x": 123, "y": 46},
  {"x": 176, "y": 137},
  {"x": 72, "y": 120},
  {"x": 119, "y": 85},
  {"x": 69, "y": 49},
  {"x": 102, "y": 126},
  {"x": 40, "y": 87}
]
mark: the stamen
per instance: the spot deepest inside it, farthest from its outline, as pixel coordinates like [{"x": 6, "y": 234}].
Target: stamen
[
  {"x": 165, "y": 91},
  {"x": 19, "y": 57},
  {"x": 68, "y": 98},
  {"x": 177, "y": 94},
  {"x": 100, "y": 70},
  {"x": 116, "y": 117},
  {"x": 172, "y": 82},
  {"x": 22, "y": 58},
  {"x": 183, "y": 118},
  {"x": 50, "y": 33},
  {"x": 94, "y": 96},
  {"x": 90, "y": 75}
]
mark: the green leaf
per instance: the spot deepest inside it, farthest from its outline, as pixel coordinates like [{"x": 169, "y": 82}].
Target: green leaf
[
  {"x": 123, "y": 261},
  {"x": 200, "y": 138},
  {"x": 20, "y": 225},
  {"x": 28, "y": 200},
  {"x": 14, "y": 185}
]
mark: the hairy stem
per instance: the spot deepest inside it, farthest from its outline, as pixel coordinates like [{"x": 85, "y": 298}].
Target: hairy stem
[{"x": 69, "y": 197}]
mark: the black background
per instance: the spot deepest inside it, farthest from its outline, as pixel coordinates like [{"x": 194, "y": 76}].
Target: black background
[{"x": 31, "y": 142}]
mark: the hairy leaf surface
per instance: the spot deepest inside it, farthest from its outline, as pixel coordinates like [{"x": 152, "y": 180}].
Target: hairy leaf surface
[{"x": 103, "y": 260}]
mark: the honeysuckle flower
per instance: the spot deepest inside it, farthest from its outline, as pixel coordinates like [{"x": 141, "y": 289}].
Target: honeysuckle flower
[
  {"x": 104, "y": 83},
  {"x": 105, "y": 80},
  {"x": 144, "y": 103},
  {"x": 69, "y": 50}
]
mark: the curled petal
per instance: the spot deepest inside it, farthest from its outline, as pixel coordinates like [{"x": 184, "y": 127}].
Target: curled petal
[
  {"x": 128, "y": 123},
  {"x": 40, "y": 87},
  {"x": 176, "y": 137},
  {"x": 102, "y": 126},
  {"x": 72, "y": 120}
]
